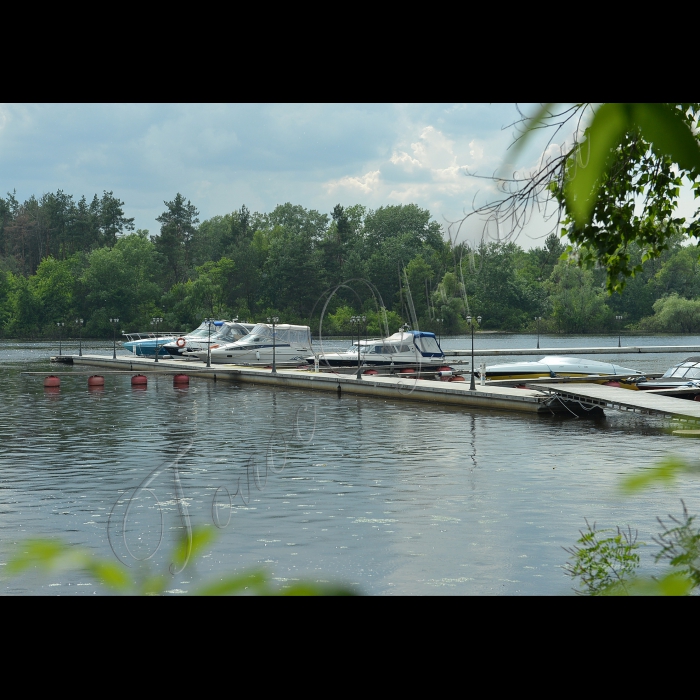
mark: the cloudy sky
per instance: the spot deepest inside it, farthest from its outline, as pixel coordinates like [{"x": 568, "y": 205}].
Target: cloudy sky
[{"x": 223, "y": 156}]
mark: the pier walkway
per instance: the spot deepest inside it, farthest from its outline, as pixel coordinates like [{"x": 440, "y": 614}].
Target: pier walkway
[
  {"x": 624, "y": 400},
  {"x": 629, "y": 349},
  {"x": 387, "y": 387}
]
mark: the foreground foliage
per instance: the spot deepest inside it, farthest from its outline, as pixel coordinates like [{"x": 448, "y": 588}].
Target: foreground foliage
[
  {"x": 52, "y": 556},
  {"x": 606, "y": 564}
]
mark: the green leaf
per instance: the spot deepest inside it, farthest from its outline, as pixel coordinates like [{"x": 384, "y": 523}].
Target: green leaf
[
  {"x": 673, "y": 584},
  {"x": 668, "y": 133},
  {"x": 588, "y": 164},
  {"x": 664, "y": 472},
  {"x": 187, "y": 548},
  {"x": 112, "y": 575},
  {"x": 253, "y": 582}
]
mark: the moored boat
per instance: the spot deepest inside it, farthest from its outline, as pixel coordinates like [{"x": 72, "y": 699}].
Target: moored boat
[
  {"x": 558, "y": 366},
  {"x": 684, "y": 375},
  {"x": 291, "y": 344},
  {"x": 222, "y": 333},
  {"x": 405, "y": 348},
  {"x": 144, "y": 344}
]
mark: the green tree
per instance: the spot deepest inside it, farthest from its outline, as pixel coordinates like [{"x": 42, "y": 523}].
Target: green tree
[
  {"x": 112, "y": 221},
  {"x": 673, "y": 314},
  {"x": 177, "y": 228},
  {"x": 578, "y": 304}
]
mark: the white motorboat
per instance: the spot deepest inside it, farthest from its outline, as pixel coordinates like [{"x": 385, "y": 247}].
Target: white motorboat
[
  {"x": 557, "y": 366},
  {"x": 401, "y": 349},
  {"x": 291, "y": 344},
  {"x": 222, "y": 333}
]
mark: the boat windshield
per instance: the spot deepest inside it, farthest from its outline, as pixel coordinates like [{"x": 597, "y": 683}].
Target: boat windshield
[
  {"x": 199, "y": 333},
  {"x": 230, "y": 333},
  {"x": 427, "y": 344},
  {"x": 680, "y": 370},
  {"x": 382, "y": 349},
  {"x": 262, "y": 333}
]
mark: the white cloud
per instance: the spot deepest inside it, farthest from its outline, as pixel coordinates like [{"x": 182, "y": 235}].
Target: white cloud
[
  {"x": 402, "y": 158},
  {"x": 367, "y": 183}
]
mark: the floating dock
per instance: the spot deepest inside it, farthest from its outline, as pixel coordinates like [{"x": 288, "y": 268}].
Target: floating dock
[
  {"x": 600, "y": 396},
  {"x": 625, "y": 350},
  {"x": 392, "y": 387},
  {"x": 534, "y": 396}
]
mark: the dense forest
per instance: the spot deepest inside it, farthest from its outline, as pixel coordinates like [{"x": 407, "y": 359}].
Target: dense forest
[{"x": 62, "y": 260}]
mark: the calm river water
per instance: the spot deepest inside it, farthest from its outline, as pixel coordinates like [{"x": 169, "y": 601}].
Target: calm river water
[{"x": 392, "y": 497}]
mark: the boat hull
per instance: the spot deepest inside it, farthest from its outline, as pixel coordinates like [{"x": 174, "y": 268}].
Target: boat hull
[{"x": 147, "y": 348}]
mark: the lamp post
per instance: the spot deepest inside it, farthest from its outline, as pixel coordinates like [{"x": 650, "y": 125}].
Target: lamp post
[
  {"x": 619, "y": 331},
  {"x": 538, "y": 319},
  {"x": 208, "y": 321},
  {"x": 273, "y": 320},
  {"x": 114, "y": 322},
  {"x": 356, "y": 321},
  {"x": 472, "y": 384},
  {"x": 440, "y": 322},
  {"x": 79, "y": 322},
  {"x": 154, "y": 322},
  {"x": 59, "y": 324}
]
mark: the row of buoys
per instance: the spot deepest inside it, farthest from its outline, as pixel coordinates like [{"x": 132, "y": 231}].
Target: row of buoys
[{"x": 95, "y": 381}]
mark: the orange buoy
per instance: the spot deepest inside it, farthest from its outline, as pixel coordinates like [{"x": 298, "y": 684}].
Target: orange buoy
[
  {"x": 96, "y": 380},
  {"x": 407, "y": 370},
  {"x": 139, "y": 380},
  {"x": 181, "y": 379},
  {"x": 51, "y": 381},
  {"x": 370, "y": 371},
  {"x": 458, "y": 378}
]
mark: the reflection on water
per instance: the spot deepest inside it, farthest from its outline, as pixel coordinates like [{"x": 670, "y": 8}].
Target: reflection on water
[{"x": 393, "y": 496}]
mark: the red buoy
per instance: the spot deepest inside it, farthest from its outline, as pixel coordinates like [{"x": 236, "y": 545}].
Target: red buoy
[
  {"x": 370, "y": 371},
  {"x": 52, "y": 380},
  {"x": 407, "y": 370},
  {"x": 96, "y": 380},
  {"x": 139, "y": 380},
  {"x": 181, "y": 379},
  {"x": 458, "y": 378}
]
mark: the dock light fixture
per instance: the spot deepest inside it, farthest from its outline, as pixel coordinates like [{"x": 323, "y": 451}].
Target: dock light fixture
[
  {"x": 209, "y": 322},
  {"x": 356, "y": 321},
  {"x": 60, "y": 324},
  {"x": 79, "y": 322},
  {"x": 472, "y": 384},
  {"x": 538, "y": 319},
  {"x": 154, "y": 322},
  {"x": 619, "y": 331},
  {"x": 114, "y": 322},
  {"x": 274, "y": 320}
]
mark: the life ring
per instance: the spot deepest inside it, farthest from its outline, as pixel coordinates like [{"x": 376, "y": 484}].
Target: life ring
[{"x": 180, "y": 342}]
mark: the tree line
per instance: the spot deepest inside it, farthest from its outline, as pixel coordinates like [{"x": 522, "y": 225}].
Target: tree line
[{"x": 62, "y": 260}]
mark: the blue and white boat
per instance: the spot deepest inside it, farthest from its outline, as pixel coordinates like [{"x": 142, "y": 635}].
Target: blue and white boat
[
  {"x": 222, "y": 333},
  {"x": 403, "y": 349},
  {"x": 144, "y": 344}
]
